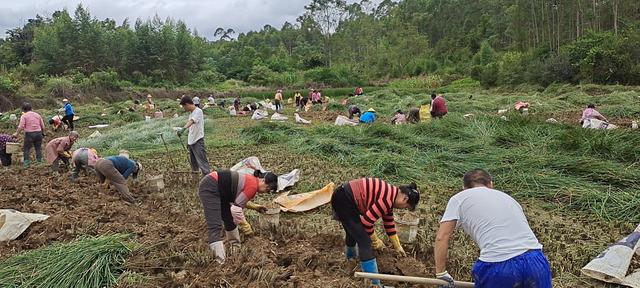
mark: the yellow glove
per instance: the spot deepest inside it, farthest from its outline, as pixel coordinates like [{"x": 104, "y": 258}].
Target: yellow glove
[
  {"x": 376, "y": 243},
  {"x": 396, "y": 244},
  {"x": 256, "y": 207},
  {"x": 245, "y": 228},
  {"x": 66, "y": 154}
]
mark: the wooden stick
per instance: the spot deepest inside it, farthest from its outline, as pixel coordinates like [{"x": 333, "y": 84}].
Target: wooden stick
[{"x": 411, "y": 279}]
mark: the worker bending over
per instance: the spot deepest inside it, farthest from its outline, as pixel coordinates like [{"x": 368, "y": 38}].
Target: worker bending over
[
  {"x": 83, "y": 159},
  {"x": 115, "y": 170},
  {"x": 57, "y": 151},
  {"x": 358, "y": 204},
  {"x": 510, "y": 254}
]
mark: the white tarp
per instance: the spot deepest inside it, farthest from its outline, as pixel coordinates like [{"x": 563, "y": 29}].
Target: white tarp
[
  {"x": 301, "y": 120},
  {"x": 343, "y": 120},
  {"x": 597, "y": 124},
  {"x": 278, "y": 117},
  {"x": 259, "y": 114},
  {"x": 232, "y": 111},
  {"x": 612, "y": 264},
  {"x": 13, "y": 223},
  {"x": 248, "y": 165}
]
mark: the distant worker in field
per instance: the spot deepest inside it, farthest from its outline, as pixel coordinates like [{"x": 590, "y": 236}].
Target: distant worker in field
[
  {"x": 316, "y": 97},
  {"x": 116, "y": 170},
  {"x": 277, "y": 100},
  {"x": 33, "y": 126},
  {"x": 58, "y": 152},
  {"x": 414, "y": 116},
  {"x": 354, "y": 110},
  {"x": 84, "y": 160},
  {"x": 68, "y": 114},
  {"x": 305, "y": 100},
  {"x": 55, "y": 122},
  {"x": 438, "y": 106},
  {"x": 135, "y": 107},
  {"x": 223, "y": 188},
  {"x": 298, "y": 98},
  {"x": 149, "y": 106},
  {"x": 195, "y": 140},
  {"x": 5, "y": 158},
  {"x": 359, "y": 91},
  {"x": 211, "y": 100},
  {"x": 236, "y": 103},
  {"x": 196, "y": 101},
  {"x": 510, "y": 254},
  {"x": 369, "y": 116},
  {"x": 399, "y": 118},
  {"x": 591, "y": 113},
  {"x": 358, "y": 204}
]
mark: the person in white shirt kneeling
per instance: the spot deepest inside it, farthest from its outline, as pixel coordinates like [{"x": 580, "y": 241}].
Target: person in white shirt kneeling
[{"x": 510, "y": 254}]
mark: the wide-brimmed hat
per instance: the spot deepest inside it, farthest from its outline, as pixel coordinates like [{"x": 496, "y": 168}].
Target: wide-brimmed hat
[
  {"x": 65, "y": 100},
  {"x": 149, "y": 96},
  {"x": 371, "y": 110}
]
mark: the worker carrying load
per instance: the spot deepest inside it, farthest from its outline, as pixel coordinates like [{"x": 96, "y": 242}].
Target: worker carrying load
[
  {"x": 223, "y": 188},
  {"x": 510, "y": 254},
  {"x": 115, "y": 170},
  {"x": 57, "y": 151},
  {"x": 369, "y": 116},
  {"x": 358, "y": 204},
  {"x": 83, "y": 159}
]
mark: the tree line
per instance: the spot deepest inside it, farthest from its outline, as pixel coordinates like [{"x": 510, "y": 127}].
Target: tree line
[{"x": 499, "y": 42}]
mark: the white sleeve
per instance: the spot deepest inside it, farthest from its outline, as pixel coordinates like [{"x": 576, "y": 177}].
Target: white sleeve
[
  {"x": 197, "y": 116},
  {"x": 452, "y": 212}
]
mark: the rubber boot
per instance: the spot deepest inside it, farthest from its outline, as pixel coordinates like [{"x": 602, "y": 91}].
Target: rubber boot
[
  {"x": 218, "y": 251},
  {"x": 25, "y": 164},
  {"x": 351, "y": 252},
  {"x": 371, "y": 266}
]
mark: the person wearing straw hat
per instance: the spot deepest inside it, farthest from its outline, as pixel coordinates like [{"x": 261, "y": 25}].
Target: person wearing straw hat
[
  {"x": 510, "y": 254},
  {"x": 221, "y": 189},
  {"x": 68, "y": 114},
  {"x": 115, "y": 170},
  {"x": 369, "y": 116},
  {"x": 358, "y": 204}
]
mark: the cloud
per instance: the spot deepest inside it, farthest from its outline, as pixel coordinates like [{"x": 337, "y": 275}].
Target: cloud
[{"x": 203, "y": 15}]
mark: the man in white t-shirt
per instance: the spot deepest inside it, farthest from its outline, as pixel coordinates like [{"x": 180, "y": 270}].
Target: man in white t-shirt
[
  {"x": 510, "y": 254},
  {"x": 197, "y": 153}
]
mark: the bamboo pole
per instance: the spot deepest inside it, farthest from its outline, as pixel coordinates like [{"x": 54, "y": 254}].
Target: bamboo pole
[{"x": 411, "y": 279}]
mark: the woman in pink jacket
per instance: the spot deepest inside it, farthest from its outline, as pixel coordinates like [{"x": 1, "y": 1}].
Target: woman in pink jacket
[{"x": 33, "y": 126}]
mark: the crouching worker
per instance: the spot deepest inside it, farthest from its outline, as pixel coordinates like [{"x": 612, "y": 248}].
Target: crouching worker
[
  {"x": 57, "y": 151},
  {"x": 83, "y": 159},
  {"x": 115, "y": 170},
  {"x": 358, "y": 204},
  {"x": 510, "y": 254},
  {"x": 220, "y": 190}
]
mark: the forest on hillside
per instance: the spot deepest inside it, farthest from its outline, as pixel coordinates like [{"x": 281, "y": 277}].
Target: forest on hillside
[{"x": 334, "y": 43}]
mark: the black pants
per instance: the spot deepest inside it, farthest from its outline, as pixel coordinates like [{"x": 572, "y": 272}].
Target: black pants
[
  {"x": 5, "y": 158},
  {"x": 68, "y": 119},
  {"x": 278, "y": 105},
  {"x": 217, "y": 208},
  {"x": 346, "y": 210},
  {"x": 32, "y": 140}
]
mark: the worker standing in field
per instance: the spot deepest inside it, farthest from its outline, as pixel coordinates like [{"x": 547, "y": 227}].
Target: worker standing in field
[
  {"x": 298, "y": 98},
  {"x": 438, "y": 106},
  {"x": 84, "y": 159},
  {"x": 195, "y": 140},
  {"x": 369, "y": 116},
  {"x": 33, "y": 126},
  {"x": 5, "y": 159},
  {"x": 223, "y": 188},
  {"x": 115, "y": 170},
  {"x": 149, "y": 106},
  {"x": 358, "y": 204},
  {"x": 510, "y": 254},
  {"x": 58, "y": 152},
  {"x": 68, "y": 114},
  {"x": 278, "y": 100}
]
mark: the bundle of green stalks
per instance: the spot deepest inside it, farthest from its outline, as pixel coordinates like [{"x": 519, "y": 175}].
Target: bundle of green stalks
[{"x": 86, "y": 262}]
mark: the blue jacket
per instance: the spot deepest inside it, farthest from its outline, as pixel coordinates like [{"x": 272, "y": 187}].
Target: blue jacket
[
  {"x": 123, "y": 165},
  {"x": 368, "y": 117},
  {"x": 68, "y": 109}
]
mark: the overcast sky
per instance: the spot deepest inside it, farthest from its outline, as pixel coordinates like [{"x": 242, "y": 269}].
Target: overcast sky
[{"x": 204, "y": 15}]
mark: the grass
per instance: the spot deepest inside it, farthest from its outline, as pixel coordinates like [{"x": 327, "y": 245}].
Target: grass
[{"x": 87, "y": 262}]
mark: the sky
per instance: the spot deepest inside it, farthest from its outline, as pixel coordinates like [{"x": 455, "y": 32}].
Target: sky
[{"x": 203, "y": 15}]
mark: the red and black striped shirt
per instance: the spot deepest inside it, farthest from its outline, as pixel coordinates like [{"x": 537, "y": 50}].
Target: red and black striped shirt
[{"x": 374, "y": 199}]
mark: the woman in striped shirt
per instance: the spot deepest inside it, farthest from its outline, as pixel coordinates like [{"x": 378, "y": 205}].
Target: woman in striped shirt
[
  {"x": 223, "y": 188},
  {"x": 359, "y": 203}
]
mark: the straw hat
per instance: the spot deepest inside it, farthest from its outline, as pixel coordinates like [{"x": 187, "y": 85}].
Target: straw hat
[
  {"x": 65, "y": 100},
  {"x": 371, "y": 110},
  {"x": 149, "y": 96}
]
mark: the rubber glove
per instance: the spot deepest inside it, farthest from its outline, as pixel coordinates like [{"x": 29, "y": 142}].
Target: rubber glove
[
  {"x": 256, "y": 207},
  {"x": 245, "y": 228},
  {"x": 445, "y": 276},
  {"x": 396, "y": 244},
  {"x": 180, "y": 131},
  {"x": 376, "y": 243},
  {"x": 218, "y": 251},
  {"x": 66, "y": 154}
]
